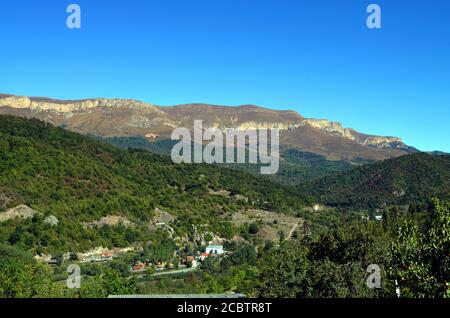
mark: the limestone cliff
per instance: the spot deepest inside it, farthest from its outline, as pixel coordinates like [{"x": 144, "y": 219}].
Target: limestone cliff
[
  {"x": 36, "y": 104},
  {"x": 125, "y": 117},
  {"x": 366, "y": 140}
]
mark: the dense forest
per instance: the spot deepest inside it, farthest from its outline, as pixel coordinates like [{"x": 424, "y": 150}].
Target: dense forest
[
  {"x": 397, "y": 181},
  {"x": 80, "y": 179},
  {"x": 296, "y": 166}
]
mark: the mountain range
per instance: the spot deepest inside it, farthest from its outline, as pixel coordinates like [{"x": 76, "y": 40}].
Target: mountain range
[{"x": 130, "y": 118}]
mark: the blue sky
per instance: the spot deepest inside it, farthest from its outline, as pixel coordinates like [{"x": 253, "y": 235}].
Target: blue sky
[{"x": 314, "y": 56}]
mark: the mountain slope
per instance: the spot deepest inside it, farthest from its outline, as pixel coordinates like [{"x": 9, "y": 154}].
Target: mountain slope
[
  {"x": 129, "y": 118},
  {"x": 399, "y": 180},
  {"x": 296, "y": 166},
  {"x": 79, "y": 179}
]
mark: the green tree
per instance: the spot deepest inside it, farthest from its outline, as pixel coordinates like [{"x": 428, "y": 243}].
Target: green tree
[
  {"x": 281, "y": 236},
  {"x": 284, "y": 272},
  {"x": 213, "y": 285},
  {"x": 386, "y": 220},
  {"x": 253, "y": 228},
  {"x": 25, "y": 279},
  {"x": 109, "y": 283},
  {"x": 114, "y": 284},
  {"x": 420, "y": 261},
  {"x": 150, "y": 270},
  {"x": 412, "y": 209},
  {"x": 371, "y": 214},
  {"x": 332, "y": 265}
]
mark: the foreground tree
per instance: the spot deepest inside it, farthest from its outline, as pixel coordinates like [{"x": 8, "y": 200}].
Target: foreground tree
[
  {"x": 110, "y": 283},
  {"x": 333, "y": 265},
  {"x": 421, "y": 260},
  {"x": 21, "y": 278}
]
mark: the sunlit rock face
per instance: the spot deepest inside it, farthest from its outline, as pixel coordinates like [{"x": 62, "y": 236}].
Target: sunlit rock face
[
  {"x": 69, "y": 106},
  {"x": 331, "y": 127},
  {"x": 125, "y": 117}
]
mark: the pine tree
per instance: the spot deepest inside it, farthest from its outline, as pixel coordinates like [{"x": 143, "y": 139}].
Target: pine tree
[
  {"x": 412, "y": 209},
  {"x": 385, "y": 219}
]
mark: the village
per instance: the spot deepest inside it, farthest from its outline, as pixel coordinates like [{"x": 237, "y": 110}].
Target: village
[
  {"x": 177, "y": 254},
  {"x": 178, "y": 263}
]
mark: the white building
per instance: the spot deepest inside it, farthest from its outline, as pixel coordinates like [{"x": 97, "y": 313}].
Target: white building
[{"x": 215, "y": 249}]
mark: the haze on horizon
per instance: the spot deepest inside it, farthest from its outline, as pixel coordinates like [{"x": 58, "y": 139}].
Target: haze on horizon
[{"x": 315, "y": 57}]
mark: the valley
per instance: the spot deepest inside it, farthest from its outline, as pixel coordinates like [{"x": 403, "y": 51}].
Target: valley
[{"x": 137, "y": 223}]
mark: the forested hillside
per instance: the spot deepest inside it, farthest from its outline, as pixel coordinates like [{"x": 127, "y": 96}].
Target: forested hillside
[
  {"x": 296, "y": 166},
  {"x": 402, "y": 180},
  {"x": 79, "y": 179}
]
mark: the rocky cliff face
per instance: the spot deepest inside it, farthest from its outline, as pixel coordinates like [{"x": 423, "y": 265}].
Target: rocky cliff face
[
  {"x": 37, "y": 104},
  {"x": 350, "y": 134},
  {"x": 120, "y": 117},
  {"x": 329, "y": 127},
  {"x": 384, "y": 142}
]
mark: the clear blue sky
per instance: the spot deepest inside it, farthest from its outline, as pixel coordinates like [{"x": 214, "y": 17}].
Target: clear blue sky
[{"x": 316, "y": 57}]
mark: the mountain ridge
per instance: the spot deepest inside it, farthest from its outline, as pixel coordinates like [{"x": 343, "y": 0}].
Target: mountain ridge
[{"x": 128, "y": 117}]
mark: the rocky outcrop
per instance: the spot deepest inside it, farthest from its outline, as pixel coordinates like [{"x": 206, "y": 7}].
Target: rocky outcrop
[
  {"x": 52, "y": 220},
  {"x": 329, "y": 127},
  {"x": 162, "y": 217},
  {"x": 22, "y": 212},
  {"x": 50, "y": 105},
  {"x": 111, "y": 220},
  {"x": 384, "y": 142},
  {"x": 350, "y": 134},
  {"x": 5, "y": 199},
  {"x": 15, "y": 102},
  {"x": 253, "y": 125}
]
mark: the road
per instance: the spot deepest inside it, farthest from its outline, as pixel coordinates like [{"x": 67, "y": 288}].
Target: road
[{"x": 173, "y": 272}]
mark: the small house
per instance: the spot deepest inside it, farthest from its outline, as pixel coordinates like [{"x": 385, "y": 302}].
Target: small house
[
  {"x": 189, "y": 259},
  {"x": 138, "y": 267},
  {"x": 107, "y": 256},
  {"x": 215, "y": 249}
]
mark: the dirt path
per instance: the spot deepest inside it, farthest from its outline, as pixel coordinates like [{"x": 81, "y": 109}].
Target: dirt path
[{"x": 292, "y": 230}]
